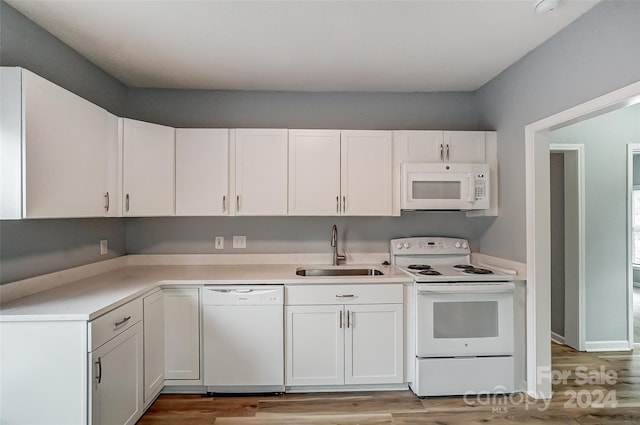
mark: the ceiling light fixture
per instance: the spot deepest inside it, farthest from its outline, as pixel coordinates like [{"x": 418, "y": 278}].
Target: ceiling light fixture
[{"x": 544, "y": 6}]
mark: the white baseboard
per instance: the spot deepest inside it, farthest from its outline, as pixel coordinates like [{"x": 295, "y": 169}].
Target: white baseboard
[
  {"x": 621, "y": 345},
  {"x": 557, "y": 338}
]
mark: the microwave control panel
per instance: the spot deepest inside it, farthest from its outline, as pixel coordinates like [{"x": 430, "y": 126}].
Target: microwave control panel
[{"x": 480, "y": 186}]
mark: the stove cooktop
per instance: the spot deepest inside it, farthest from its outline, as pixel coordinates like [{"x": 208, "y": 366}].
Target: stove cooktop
[{"x": 441, "y": 259}]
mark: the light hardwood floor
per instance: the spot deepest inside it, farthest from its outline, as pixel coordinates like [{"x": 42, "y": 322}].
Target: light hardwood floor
[{"x": 590, "y": 394}]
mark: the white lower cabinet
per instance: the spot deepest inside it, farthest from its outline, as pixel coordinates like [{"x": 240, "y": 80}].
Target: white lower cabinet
[
  {"x": 116, "y": 389},
  {"x": 153, "y": 313},
  {"x": 182, "y": 334},
  {"x": 314, "y": 345},
  {"x": 330, "y": 343}
]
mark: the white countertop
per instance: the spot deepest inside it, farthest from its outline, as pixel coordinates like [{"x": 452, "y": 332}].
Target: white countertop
[{"x": 88, "y": 298}]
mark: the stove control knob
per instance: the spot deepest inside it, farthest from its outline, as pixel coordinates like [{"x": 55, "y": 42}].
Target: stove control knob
[
  {"x": 399, "y": 246},
  {"x": 457, "y": 244},
  {"x": 406, "y": 245},
  {"x": 465, "y": 245}
]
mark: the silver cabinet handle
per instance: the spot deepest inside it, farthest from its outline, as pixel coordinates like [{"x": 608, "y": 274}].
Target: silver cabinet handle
[
  {"x": 122, "y": 322},
  {"x": 340, "y": 319},
  {"x": 224, "y": 203},
  {"x": 237, "y": 203},
  {"x": 345, "y": 296},
  {"x": 338, "y": 204},
  {"x": 126, "y": 202},
  {"x": 106, "y": 202},
  {"x": 441, "y": 152},
  {"x": 344, "y": 204},
  {"x": 99, "y": 364},
  {"x": 447, "y": 152},
  {"x": 349, "y": 324}
]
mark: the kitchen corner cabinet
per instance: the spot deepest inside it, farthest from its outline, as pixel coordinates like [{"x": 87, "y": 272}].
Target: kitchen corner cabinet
[
  {"x": 153, "y": 325},
  {"x": 334, "y": 172},
  {"x": 58, "y": 153},
  {"x": 329, "y": 342},
  {"x": 148, "y": 173},
  {"x": 182, "y": 334},
  {"x": 202, "y": 172},
  {"x": 260, "y": 172}
]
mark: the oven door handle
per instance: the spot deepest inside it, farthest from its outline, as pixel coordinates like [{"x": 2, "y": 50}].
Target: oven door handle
[{"x": 486, "y": 289}]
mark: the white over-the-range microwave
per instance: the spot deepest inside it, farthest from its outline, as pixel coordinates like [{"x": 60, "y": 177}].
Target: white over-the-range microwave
[{"x": 444, "y": 186}]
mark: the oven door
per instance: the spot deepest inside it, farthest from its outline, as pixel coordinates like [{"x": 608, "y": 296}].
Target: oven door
[{"x": 455, "y": 320}]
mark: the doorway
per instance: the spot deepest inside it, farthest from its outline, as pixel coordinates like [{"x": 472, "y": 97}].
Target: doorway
[
  {"x": 538, "y": 231},
  {"x": 567, "y": 244}
]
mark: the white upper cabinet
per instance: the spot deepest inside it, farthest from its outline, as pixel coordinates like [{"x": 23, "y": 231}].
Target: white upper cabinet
[
  {"x": 314, "y": 172},
  {"x": 334, "y": 172},
  {"x": 148, "y": 169},
  {"x": 439, "y": 146},
  {"x": 418, "y": 146},
  {"x": 260, "y": 172},
  {"x": 366, "y": 165},
  {"x": 59, "y": 151},
  {"x": 202, "y": 172},
  {"x": 464, "y": 146}
]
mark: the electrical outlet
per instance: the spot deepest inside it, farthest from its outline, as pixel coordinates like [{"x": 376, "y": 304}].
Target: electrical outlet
[
  {"x": 219, "y": 242},
  {"x": 239, "y": 241},
  {"x": 104, "y": 248}
]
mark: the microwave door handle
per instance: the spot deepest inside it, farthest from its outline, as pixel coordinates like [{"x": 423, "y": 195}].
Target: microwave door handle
[{"x": 471, "y": 187}]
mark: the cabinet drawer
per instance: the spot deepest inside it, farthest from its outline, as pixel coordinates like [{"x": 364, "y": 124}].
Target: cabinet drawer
[
  {"x": 113, "y": 323},
  {"x": 343, "y": 294}
]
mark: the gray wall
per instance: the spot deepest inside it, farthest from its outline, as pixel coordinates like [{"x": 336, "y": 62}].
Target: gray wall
[
  {"x": 605, "y": 139},
  {"x": 32, "y": 247},
  {"x": 237, "y": 109},
  {"x": 557, "y": 242},
  {"x": 293, "y": 234},
  {"x": 596, "y": 54}
]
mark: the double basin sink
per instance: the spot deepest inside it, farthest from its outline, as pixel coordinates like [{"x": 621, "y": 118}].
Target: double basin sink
[{"x": 328, "y": 271}]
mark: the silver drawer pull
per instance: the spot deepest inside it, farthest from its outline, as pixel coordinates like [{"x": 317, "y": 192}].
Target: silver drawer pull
[
  {"x": 345, "y": 296},
  {"x": 122, "y": 322}
]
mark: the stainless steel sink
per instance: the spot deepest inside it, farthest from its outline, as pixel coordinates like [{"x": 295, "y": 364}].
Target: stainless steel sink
[{"x": 338, "y": 271}]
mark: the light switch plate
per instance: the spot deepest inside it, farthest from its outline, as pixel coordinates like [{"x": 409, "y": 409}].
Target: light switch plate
[
  {"x": 104, "y": 247},
  {"x": 219, "y": 242},
  {"x": 239, "y": 241}
]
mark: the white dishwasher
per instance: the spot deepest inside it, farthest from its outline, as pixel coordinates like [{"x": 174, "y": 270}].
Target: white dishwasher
[{"x": 243, "y": 338}]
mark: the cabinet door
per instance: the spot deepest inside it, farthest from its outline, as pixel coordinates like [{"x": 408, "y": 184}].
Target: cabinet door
[
  {"x": 366, "y": 172},
  {"x": 116, "y": 385},
  {"x": 260, "y": 172},
  {"x": 374, "y": 344},
  {"x": 69, "y": 149},
  {"x": 148, "y": 171},
  {"x": 464, "y": 146},
  {"x": 314, "y": 345},
  {"x": 314, "y": 172},
  {"x": 202, "y": 172},
  {"x": 418, "y": 146},
  {"x": 153, "y": 324},
  {"x": 182, "y": 334}
]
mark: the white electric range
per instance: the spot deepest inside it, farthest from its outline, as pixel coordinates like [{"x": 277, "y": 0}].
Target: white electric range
[{"x": 463, "y": 321}]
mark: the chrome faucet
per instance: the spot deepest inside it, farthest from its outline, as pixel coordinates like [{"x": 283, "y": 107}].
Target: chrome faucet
[{"x": 337, "y": 258}]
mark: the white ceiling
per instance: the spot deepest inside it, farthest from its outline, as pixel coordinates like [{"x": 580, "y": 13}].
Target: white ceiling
[{"x": 429, "y": 45}]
